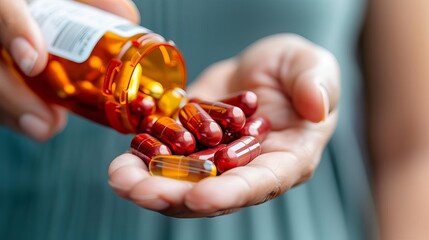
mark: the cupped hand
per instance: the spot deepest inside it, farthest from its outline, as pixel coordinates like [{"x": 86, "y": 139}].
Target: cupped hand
[
  {"x": 21, "y": 109},
  {"x": 297, "y": 84}
]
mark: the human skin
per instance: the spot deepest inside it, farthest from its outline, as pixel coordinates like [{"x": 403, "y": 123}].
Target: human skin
[{"x": 395, "y": 55}]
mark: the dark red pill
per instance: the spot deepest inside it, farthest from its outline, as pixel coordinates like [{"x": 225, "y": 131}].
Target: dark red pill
[
  {"x": 147, "y": 123},
  {"x": 141, "y": 107},
  {"x": 257, "y": 127},
  {"x": 230, "y": 136},
  {"x": 146, "y": 147},
  {"x": 236, "y": 154},
  {"x": 245, "y": 100},
  {"x": 199, "y": 123},
  {"x": 207, "y": 154},
  {"x": 229, "y": 117},
  {"x": 174, "y": 135}
]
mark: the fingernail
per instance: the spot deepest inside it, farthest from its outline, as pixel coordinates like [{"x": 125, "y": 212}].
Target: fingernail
[
  {"x": 116, "y": 186},
  {"x": 34, "y": 126},
  {"x": 198, "y": 207},
  {"x": 151, "y": 202},
  {"x": 325, "y": 100},
  {"x": 23, "y": 54}
]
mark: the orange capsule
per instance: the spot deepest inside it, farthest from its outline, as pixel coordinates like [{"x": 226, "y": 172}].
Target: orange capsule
[
  {"x": 60, "y": 80},
  {"x": 171, "y": 133},
  {"x": 245, "y": 100},
  {"x": 88, "y": 93},
  {"x": 182, "y": 168},
  {"x": 207, "y": 154},
  {"x": 146, "y": 147},
  {"x": 236, "y": 154},
  {"x": 198, "y": 122},
  {"x": 229, "y": 117},
  {"x": 257, "y": 127}
]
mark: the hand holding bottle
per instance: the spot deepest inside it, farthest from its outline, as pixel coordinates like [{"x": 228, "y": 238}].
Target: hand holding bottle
[{"x": 20, "y": 108}]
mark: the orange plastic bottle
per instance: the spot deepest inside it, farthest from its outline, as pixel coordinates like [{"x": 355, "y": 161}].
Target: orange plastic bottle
[{"x": 99, "y": 63}]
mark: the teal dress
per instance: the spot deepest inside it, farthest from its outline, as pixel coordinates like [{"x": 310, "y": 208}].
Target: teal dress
[{"x": 58, "y": 190}]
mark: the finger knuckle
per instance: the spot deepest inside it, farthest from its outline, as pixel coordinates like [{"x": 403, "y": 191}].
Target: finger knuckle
[
  {"x": 7, "y": 20},
  {"x": 275, "y": 190}
]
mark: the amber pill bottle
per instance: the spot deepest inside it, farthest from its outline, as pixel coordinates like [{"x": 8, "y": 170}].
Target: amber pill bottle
[{"x": 99, "y": 63}]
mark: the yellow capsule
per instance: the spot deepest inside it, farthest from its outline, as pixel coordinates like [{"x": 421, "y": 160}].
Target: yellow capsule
[
  {"x": 151, "y": 87},
  {"x": 181, "y": 167},
  {"x": 172, "y": 101},
  {"x": 133, "y": 87}
]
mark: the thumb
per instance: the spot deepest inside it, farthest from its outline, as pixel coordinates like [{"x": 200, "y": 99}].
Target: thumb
[
  {"x": 307, "y": 74},
  {"x": 310, "y": 77},
  {"x": 21, "y": 37}
]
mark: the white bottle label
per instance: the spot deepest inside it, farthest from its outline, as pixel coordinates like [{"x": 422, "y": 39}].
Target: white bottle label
[{"x": 71, "y": 30}]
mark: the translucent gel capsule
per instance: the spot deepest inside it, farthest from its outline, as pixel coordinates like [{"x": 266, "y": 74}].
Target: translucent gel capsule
[
  {"x": 134, "y": 84},
  {"x": 151, "y": 87},
  {"x": 199, "y": 123},
  {"x": 236, "y": 154},
  {"x": 174, "y": 135},
  {"x": 257, "y": 127},
  {"x": 146, "y": 147},
  {"x": 207, "y": 154},
  {"x": 229, "y": 117},
  {"x": 182, "y": 168},
  {"x": 245, "y": 100},
  {"x": 172, "y": 101}
]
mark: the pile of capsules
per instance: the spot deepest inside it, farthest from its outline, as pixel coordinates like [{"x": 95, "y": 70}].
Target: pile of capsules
[{"x": 206, "y": 138}]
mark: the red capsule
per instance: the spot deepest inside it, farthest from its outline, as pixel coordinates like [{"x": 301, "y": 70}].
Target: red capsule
[
  {"x": 245, "y": 100},
  {"x": 147, "y": 123},
  {"x": 207, "y": 154},
  {"x": 146, "y": 147},
  {"x": 140, "y": 107},
  {"x": 236, "y": 154},
  {"x": 229, "y": 117},
  {"x": 198, "y": 122},
  {"x": 143, "y": 105},
  {"x": 229, "y": 137},
  {"x": 174, "y": 135},
  {"x": 257, "y": 127}
]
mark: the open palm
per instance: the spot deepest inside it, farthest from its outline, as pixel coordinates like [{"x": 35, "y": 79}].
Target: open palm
[{"x": 297, "y": 84}]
